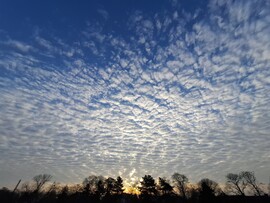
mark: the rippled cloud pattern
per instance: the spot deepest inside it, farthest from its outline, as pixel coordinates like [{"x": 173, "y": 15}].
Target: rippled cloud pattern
[{"x": 176, "y": 90}]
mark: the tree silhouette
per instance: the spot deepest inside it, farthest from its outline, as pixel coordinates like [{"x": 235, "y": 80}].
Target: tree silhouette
[
  {"x": 180, "y": 182},
  {"x": 86, "y": 189},
  {"x": 113, "y": 186},
  {"x": 118, "y": 188},
  {"x": 63, "y": 196},
  {"x": 109, "y": 185},
  {"x": 95, "y": 184},
  {"x": 250, "y": 180},
  {"x": 148, "y": 186},
  {"x": 101, "y": 191},
  {"x": 208, "y": 189},
  {"x": 235, "y": 184},
  {"x": 26, "y": 187},
  {"x": 164, "y": 186},
  {"x": 97, "y": 189},
  {"x": 40, "y": 181}
]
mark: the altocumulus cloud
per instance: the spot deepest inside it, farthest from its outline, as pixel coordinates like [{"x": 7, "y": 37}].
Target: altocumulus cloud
[{"x": 185, "y": 92}]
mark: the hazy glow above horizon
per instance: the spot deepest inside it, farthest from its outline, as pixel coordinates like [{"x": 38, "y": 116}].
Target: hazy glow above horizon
[{"x": 134, "y": 89}]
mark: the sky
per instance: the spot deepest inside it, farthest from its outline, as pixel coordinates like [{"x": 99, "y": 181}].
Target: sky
[{"x": 134, "y": 87}]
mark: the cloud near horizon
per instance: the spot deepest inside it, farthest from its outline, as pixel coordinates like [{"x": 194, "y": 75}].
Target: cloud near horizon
[{"x": 182, "y": 92}]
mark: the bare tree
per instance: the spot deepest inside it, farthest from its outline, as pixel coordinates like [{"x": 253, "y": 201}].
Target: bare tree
[
  {"x": 26, "y": 187},
  {"x": 250, "y": 180},
  {"x": 235, "y": 184},
  {"x": 40, "y": 181},
  {"x": 180, "y": 182},
  {"x": 53, "y": 187},
  {"x": 94, "y": 185}
]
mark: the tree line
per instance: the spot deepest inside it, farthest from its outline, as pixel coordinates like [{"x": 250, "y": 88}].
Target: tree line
[{"x": 239, "y": 187}]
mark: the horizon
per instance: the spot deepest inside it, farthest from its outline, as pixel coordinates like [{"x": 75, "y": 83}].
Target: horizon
[
  {"x": 133, "y": 88},
  {"x": 133, "y": 188}
]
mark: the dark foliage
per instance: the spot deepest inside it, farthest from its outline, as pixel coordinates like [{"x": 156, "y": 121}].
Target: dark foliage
[{"x": 97, "y": 189}]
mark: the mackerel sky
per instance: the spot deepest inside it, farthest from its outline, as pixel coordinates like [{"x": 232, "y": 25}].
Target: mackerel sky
[{"x": 134, "y": 87}]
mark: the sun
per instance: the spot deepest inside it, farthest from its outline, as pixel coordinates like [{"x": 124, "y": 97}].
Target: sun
[{"x": 131, "y": 190}]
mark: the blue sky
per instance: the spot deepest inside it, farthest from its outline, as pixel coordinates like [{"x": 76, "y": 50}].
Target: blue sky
[{"x": 134, "y": 87}]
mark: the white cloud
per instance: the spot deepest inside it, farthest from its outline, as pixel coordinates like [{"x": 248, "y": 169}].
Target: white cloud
[
  {"x": 103, "y": 13},
  {"x": 23, "y": 47},
  {"x": 195, "y": 102}
]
